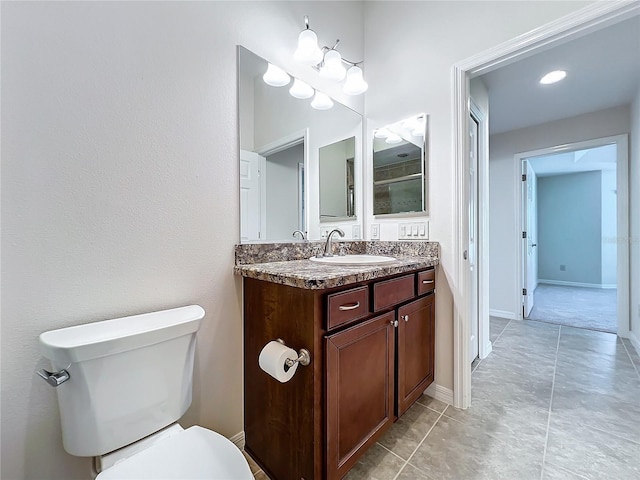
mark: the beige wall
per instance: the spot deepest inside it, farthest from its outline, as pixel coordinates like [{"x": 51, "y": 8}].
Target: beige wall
[
  {"x": 120, "y": 186},
  {"x": 410, "y": 48}
]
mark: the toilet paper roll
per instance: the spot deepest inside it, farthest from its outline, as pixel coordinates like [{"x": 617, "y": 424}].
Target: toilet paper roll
[{"x": 272, "y": 358}]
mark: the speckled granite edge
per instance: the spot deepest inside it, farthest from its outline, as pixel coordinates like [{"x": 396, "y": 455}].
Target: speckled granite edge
[
  {"x": 302, "y": 273},
  {"x": 251, "y": 253}
]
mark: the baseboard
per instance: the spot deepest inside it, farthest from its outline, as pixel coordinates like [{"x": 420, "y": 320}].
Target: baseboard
[
  {"x": 441, "y": 393},
  {"x": 238, "y": 439},
  {"x": 484, "y": 352},
  {"x": 502, "y": 314},
  {"x": 577, "y": 284}
]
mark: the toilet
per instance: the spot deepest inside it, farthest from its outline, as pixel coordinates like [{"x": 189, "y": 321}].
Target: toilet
[{"x": 122, "y": 386}]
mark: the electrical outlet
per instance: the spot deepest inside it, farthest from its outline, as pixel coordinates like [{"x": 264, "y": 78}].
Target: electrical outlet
[
  {"x": 355, "y": 232},
  {"x": 375, "y": 231}
]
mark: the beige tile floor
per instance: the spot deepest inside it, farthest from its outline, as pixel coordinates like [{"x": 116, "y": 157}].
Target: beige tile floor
[{"x": 550, "y": 402}]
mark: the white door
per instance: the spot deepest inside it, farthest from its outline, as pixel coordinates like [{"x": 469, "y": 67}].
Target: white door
[
  {"x": 251, "y": 196},
  {"x": 473, "y": 236},
  {"x": 529, "y": 237}
]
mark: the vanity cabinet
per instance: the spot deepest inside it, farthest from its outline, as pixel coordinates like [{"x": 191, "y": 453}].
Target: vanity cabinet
[{"x": 372, "y": 356}]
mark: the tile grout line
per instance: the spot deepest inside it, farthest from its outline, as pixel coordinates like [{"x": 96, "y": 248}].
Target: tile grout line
[
  {"x": 492, "y": 343},
  {"x": 553, "y": 384},
  {"x": 630, "y": 359},
  {"x": 419, "y": 444}
]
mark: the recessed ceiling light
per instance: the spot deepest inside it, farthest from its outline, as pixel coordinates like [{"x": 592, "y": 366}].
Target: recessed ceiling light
[{"x": 553, "y": 77}]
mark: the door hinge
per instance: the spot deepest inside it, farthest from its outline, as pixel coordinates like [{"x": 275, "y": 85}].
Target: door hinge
[
  {"x": 524, "y": 291},
  {"x": 524, "y": 234},
  {"x": 524, "y": 177}
]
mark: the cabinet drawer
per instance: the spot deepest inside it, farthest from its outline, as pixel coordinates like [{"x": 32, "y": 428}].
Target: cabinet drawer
[
  {"x": 345, "y": 307},
  {"x": 392, "y": 292},
  {"x": 426, "y": 281}
]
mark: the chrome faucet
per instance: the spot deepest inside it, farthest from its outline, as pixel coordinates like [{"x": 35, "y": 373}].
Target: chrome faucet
[
  {"x": 302, "y": 235},
  {"x": 327, "y": 248}
]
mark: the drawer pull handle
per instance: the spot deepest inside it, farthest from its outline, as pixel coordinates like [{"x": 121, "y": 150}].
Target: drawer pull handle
[
  {"x": 427, "y": 282},
  {"x": 351, "y": 306}
]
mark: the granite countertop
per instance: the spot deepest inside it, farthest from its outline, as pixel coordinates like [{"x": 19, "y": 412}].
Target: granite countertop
[{"x": 303, "y": 273}]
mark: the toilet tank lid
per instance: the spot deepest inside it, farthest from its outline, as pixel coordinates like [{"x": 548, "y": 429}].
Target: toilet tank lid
[{"x": 108, "y": 337}]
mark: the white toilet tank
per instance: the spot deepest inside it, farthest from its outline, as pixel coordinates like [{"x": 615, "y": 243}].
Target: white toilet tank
[{"x": 129, "y": 377}]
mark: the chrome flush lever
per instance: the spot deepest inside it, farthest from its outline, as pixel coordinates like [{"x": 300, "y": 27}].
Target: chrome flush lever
[{"x": 54, "y": 378}]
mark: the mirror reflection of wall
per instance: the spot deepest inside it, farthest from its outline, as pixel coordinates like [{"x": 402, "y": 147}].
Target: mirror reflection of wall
[
  {"x": 337, "y": 180},
  {"x": 279, "y": 196},
  {"x": 399, "y": 167}
]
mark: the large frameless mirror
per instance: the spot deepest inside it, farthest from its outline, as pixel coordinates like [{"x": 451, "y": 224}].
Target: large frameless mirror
[
  {"x": 400, "y": 167},
  {"x": 289, "y": 156}
]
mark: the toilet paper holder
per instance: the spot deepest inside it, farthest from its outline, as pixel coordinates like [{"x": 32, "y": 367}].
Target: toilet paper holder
[{"x": 304, "y": 357}]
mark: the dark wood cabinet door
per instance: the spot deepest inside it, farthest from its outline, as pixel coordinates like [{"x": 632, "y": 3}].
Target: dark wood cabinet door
[
  {"x": 416, "y": 329},
  {"x": 360, "y": 389}
]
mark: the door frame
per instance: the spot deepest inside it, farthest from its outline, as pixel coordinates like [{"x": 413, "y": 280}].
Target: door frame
[
  {"x": 622, "y": 219},
  {"x": 590, "y": 18}
]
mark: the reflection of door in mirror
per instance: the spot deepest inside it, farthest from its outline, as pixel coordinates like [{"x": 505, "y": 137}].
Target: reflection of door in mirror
[
  {"x": 337, "y": 180},
  {"x": 251, "y": 203},
  {"x": 399, "y": 165}
]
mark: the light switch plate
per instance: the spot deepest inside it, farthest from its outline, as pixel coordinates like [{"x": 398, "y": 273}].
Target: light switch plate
[
  {"x": 375, "y": 231},
  {"x": 355, "y": 232}
]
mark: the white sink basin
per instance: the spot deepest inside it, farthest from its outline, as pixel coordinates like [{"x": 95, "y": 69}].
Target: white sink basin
[{"x": 354, "y": 260}]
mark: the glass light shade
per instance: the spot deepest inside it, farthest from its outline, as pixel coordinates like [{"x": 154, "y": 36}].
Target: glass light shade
[
  {"x": 276, "y": 77},
  {"x": 553, "y": 77},
  {"x": 299, "y": 89},
  {"x": 333, "y": 68},
  {"x": 418, "y": 132},
  {"x": 355, "y": 84},
  {"x": 393, "y": 138},
  {"x": 308, "y": 51},
  {"x": 321, "y": 101},
  {"x": 382, "y": 133}
]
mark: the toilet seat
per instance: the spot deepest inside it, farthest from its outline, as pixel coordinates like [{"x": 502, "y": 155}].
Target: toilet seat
[{"x": 194, "y": 453}]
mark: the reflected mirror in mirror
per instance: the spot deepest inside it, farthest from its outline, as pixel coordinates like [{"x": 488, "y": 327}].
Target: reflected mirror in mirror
[
  {"x": 399, "y": 167},
  {"x": 337, "y": 180},
  {"x": 281, "y": 138}
]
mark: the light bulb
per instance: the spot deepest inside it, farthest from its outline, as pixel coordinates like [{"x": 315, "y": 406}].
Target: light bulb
[
  {"x": 275, "y": 76},
  {"x": 355, "y": 84},
  {"x": 333, "y": 68},
  {"x": 382, "y": 133},
  {"x": 321, "y": 101},
  {"x": 308, "y": 51},
  {"x": 393, "y": 138},
  {"x": 299, "y": 89}
]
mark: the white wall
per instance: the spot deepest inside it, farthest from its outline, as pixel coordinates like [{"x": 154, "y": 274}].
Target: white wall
[
  {"x": 609, "y": 228},
  {"x": 504, "y": 171},
  {"x": 410, "y": 49},
  {"x": 283, "y": 210},
  {"x": 634, "y": 215},
  {"x": 570, "y": 228},
  {"x": 120, "y": 186}
]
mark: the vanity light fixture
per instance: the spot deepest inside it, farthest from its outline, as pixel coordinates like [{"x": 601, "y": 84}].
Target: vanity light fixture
[
  {"x": 553, "y": 77},
  {"x": 321, "y": 101},
  {"x": 329, "y": 62},
  {"x": 393, "y": 138},
  {"x": 275, "y": 76},
  {"x": 308, "y": 51},
  {"x": 299, "y": 89}
]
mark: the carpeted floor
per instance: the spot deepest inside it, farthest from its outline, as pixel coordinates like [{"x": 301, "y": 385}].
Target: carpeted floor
[{"x": 591, "y": 308}]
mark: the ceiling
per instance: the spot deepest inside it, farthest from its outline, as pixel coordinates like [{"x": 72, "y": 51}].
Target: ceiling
[{"x": 603, "y": 71}]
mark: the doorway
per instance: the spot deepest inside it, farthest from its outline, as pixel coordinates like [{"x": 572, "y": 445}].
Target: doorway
[{"x": 569, "y": 229}]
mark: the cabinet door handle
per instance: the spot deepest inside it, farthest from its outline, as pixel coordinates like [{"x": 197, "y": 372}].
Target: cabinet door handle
[
  {"x": 426, "y": 282},
  {"x": 394, "y": 323},
  {"x": 405, "y": 318},
  {"x": 351, "y": 306}
]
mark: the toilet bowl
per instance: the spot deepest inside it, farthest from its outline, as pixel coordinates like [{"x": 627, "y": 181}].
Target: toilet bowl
[
  {"x": 194, "y": 453},
  {"x": 122, "y": 385}
]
